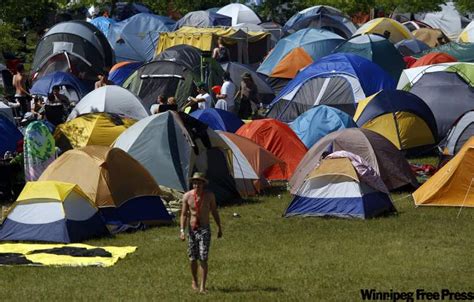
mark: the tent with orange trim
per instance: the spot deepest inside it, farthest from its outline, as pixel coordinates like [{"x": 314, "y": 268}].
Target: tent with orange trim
[
  {"x": 453, "y": 184},
  {"x": 121, "y": 71},
  {"x": 434, "y": 58},
  {"x": 297, "y": 51},
  {"x": 280, "y": 140}
]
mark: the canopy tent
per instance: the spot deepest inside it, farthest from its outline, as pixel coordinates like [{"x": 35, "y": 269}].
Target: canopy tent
[
  {"x": 376, "y": 150},
  {"x": 90, "y": 129},
  {"x": 218, "y": 119},
  {"x": 338, "y": 80},
  {"x": 171, "y": 147},
  {"x": 433, "y": 58},
  {"x": 76, "y": 89},
  {"x": 401, "y": 117},
  {"x": 52, "y": 211},
  {"x": 377, "y": 49},
  {"x": 249, "y": 161},
  {"x": 239, "y": 14},
  {"x": 431, "y": 36},
  {"x": 121, "y": 71},
  {"x": 236, "y": 70},
  {"x": 458, "y": 135},
  {"x": 319, "y": 121},
  {"x": 334, "y": 188},
  {"x": 110, "y": 99},
  {"x": 447, "y": 19},
  {"x": 298, "y": 50},
  {"x": 389, "y": 28},
  {"x": 323, "y": 17},
  {"x": 411, "y": 47},
  {"x": 280, "y": 140},
  {"x": 203, "y": 18},
  {"x": 463, "y": 52},
  {"x": 136, "y": 38},
  {"x": 244, "y": 47},
  {"x": 78, "y": 38},
  {"x": 451, "y": 185},
  {"x": 467, "y": 35},
  {"x": 9, "y": 135}
]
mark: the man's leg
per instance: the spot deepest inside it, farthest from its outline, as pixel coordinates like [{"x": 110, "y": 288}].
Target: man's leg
[
  {"x": 194, "y": 269},
  {"x": 203, "y": 276}
]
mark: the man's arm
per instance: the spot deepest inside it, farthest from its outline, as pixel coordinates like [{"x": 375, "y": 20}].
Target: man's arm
[
  {"x": 216, "y": 216},
  {"x": 183, "y": 220}
]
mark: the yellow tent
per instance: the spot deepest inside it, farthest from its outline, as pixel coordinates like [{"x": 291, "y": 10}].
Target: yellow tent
[
  {"x": 244, "y": 47},
  {"x": 91, "y": 129},
  {"x": 453, "y": 184},
  {"x": 386, "y": 27}
]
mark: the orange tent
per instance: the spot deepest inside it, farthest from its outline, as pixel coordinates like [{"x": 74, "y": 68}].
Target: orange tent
[
  {"x": 280, "y": 140},
  {"x": 289, "y": 66},
  {"x": 433, "y": 58}
]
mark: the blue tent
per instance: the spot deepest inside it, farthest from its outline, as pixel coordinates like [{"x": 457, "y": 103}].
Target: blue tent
[
  {"x": 319, "y": 121},
  {"x": 9, "y": 136},
  {"x": 316, "y": 43},
  {"x": 103, "y": 24},
  {"x": 136, "y": 38},
  {"x": 218, "y": 119},
  {"x": 339, "y": 80},
  {"x": 203, "y": 18},
  {"x": 44, "y": 85},
  {"x": 119, "y": 75}
]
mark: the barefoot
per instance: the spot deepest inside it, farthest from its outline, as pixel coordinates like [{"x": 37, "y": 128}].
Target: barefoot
[
  {"x": 203, "y": 291},
  {"x": 194, "y": 286}
]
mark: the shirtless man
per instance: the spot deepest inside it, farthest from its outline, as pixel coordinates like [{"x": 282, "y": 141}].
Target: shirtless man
[
  {"x": 197, "y": 205},
  {"x": 21, "y": 95}
]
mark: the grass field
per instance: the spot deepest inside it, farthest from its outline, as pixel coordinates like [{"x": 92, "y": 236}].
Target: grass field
[{"x": 264, "y": 257}]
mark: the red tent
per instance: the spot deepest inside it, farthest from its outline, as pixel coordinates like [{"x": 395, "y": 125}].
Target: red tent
[
  {"x": 433, "y": 58},
  {"x": 280, "y": 140}
]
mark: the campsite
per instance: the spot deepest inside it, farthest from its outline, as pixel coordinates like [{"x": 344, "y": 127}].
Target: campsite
[{"x": 262, "y": 151}]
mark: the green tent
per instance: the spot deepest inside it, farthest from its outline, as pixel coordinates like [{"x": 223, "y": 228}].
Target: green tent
[{"x": 463, "y": 52}]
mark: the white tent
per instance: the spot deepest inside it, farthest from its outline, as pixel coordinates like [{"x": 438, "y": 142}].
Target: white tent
[
  {"x": 111, "y": 99},
  {"x": 448, "y": 20},
  {"x": 239, "y": 14}
]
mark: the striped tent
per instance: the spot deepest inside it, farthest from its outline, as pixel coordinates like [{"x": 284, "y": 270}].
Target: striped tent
[{"x": 52, "y": 211}]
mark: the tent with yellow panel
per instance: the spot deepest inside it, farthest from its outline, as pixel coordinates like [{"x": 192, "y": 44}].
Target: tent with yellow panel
[
  {"x": 91, "y": 129},
  {"x": 401, "y": 117},
  {"x": 391, "y": 29},
  {"x": 467, "y": 35},
  {"x": 453, "y": 184},
  {"x": 245, "y": 47}
]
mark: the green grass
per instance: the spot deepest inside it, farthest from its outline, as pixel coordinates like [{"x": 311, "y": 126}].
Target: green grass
[{"x": 264, "y": 257}]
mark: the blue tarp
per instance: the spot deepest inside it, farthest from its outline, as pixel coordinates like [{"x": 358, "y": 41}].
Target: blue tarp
[
  {"x": 218, "y": 119},
  {"x": 44, "y": 85},
  {"x": 9, "y": 136},
  {"x": 316, "y": 123},
  {"x": 119, "y": 75}
]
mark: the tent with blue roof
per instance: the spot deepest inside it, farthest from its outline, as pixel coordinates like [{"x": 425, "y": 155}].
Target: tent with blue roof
[
  {"x": 319, "y": 121},
  {"x": 297, "y": 51},
  {"x": 121, "y": 71},
  {"x": 103, "y": 24},
  {"x": 45, "y": 84},
  {"x": 136, "y": 38},
  {"x": 218, "y": 119},
  {"x": 338, "y": 80},
  {"x": 9, "y": 136}
]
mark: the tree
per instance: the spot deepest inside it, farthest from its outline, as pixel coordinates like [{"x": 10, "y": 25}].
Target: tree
[{"x": 8, "y": 40}]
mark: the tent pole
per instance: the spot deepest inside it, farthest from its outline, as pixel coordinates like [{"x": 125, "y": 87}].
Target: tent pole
[{"x": 465, "y": 197}]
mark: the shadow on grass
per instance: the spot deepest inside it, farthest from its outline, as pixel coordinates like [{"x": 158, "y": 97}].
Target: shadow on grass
[{"x": 235, "y": 289}]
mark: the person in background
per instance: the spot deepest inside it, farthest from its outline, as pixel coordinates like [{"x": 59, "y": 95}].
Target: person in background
[
  {"x": 221, "y": 53},
  {"x": 197, "y": 205},
  {"x": 21, "y": 94},
  {"x": 103, "y": 80},
  {"x": 248, "y": 94},
  {"x": 226, "y": 97},
  {"x": 171, "y": 101},
  {"x": 203, "y": 99},
  {"x": 37, "y": 105},
  {"x": 155, "y": 108}
]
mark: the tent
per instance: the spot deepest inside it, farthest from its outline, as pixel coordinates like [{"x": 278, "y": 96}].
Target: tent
[
  {"x": 121, "y": 71},
  {"x": 375, "y": 149},
  {"x": 411, "y": 47},
  {"x": 78, "y": 38},
  {"x": 338, "y": 80},
  {"x": 249, "y": 161},
  {"x": 280, "y": 140},
  {"x": 7, "y": 112},
  {"x": 463, "y": 52},
  {"x": 9, "y": 136},
  {"x": 335, "y": 188},
  {"x": 218, "y": 119},
  {"x": 467, "y": 35},
  {"x": 127, "y": 9},
  {"x": 447, "y": 19},
  {"x": 433, "y": 58},
  {"x": 451, "y": 185},
  {"x": 135, "y": 38},
  {"x": 74, "y": 88},
  {"x": 202, "y": 18},
  {"x": 103, "y": 24},
  {"x": 389, "y": 28},
  {"x": 110, "y": 99},
  {"x": 321, "y": 16},
  {"x": 265, "y": 91},
  {"x": 239, "y": 14},
  {"x": 446, "y": 88},
  {"x": 319, "y": 121},
  {"x": 298, "y": 50},
  {"x": 431, "y": 36},
  {"x": 377, "y": 49},
  {"x": 458, "y": 135},
  {"x": 401, "y": 117},
  {"x": 172, "y": 146},
  {"x": 413, "y": 25},
  {"x": 90, "y": 129},
  {"x": 245, "y": 47},
  {"x": 52, "y": 211}
]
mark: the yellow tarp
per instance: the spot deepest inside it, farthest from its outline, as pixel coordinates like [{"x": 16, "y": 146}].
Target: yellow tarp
[
  {"x": 48, "y": 259},
  {"x": 453, "y": 184},
  {"x": 205, "y": 38}
]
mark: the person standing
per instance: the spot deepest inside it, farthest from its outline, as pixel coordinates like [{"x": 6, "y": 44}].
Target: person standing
[
  {"x": 221, "y": 53},
  {"x": 203, "y": 99},
  {"x": 21, "y": 94},
  {"x": 248, "y": 96},
  {"x": 197, "y": 205},
  {"x": 226, "y": 97}
]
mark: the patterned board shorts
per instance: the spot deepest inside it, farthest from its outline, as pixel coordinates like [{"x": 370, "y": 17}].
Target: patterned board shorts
[{"x": 199, "y": 243}]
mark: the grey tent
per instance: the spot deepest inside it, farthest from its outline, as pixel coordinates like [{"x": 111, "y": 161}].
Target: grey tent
[
  {"x": 379, "y": 152},
  {"x": 172, "y": 146},
  {"x": 202, "y": 18},
  {"x": 459, "y": 133}
]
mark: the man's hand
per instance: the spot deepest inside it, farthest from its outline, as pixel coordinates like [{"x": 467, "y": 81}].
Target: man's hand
[
  {"x": 219, "y": 233},
  {"x": 181, "y": 236}
]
